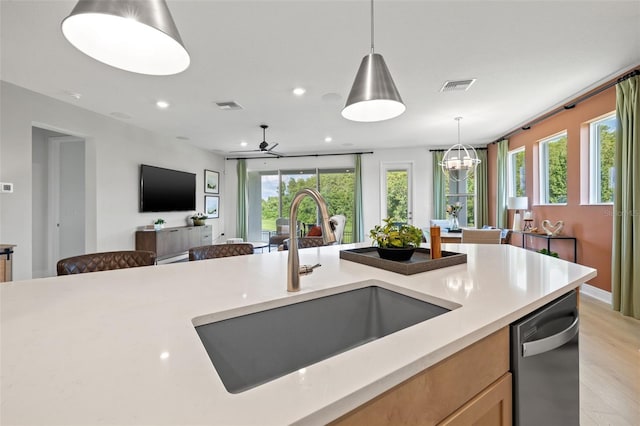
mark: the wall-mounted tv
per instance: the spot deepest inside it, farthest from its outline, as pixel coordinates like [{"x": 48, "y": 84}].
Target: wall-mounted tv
[{"x": 166, "y": 190}]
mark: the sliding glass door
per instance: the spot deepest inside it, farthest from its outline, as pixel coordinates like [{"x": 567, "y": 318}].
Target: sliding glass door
[{"x": 271, "y": 193}]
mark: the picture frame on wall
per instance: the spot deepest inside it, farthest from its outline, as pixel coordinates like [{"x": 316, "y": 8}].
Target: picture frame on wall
[
  {"x": 212, "y": 206},
  {"x": 211, "y": 182}
]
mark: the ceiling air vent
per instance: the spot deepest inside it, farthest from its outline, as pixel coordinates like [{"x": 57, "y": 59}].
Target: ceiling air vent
[
  {"x": 457, "y": 85},
  {"x": 229, "y": 106}
]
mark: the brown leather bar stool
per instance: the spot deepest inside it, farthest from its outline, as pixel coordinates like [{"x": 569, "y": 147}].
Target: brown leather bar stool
[
  {"x": 105, "y": 261},
  {"x": 220, "y": 250}
]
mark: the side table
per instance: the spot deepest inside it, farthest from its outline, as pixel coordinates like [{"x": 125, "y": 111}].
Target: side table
[{"x": 549, "y": 238}]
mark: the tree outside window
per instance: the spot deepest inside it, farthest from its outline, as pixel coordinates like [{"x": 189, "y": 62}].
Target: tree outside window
[
  {"x": 553, "y": 169},
  {"x": 516, "y": 173},
  {"x": 464, "y": 192},
  {"x": 602, "y": 138},
  {"x": 276, "y": 189}
]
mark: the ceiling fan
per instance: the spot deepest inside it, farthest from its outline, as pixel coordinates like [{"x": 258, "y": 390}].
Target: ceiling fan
[{"x": 264, "y": 147}]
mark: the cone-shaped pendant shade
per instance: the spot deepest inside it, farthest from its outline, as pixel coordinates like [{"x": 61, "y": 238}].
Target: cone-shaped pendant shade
[
  {"x": 373, "y": 96},
  {"x": 133, "y": 35}
]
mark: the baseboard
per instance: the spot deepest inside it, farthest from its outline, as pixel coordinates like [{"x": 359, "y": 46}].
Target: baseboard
[{"x": 596, "y": 293}]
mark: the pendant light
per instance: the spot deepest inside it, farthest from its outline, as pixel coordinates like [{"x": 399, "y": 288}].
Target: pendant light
[
  {"x": 134, "y": 35},
  {"x": 459, "y": 158},
  {"x": 373, "y": 96}
]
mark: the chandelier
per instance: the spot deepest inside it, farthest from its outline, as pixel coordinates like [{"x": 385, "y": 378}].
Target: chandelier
[{"x": 459, "y": 162}]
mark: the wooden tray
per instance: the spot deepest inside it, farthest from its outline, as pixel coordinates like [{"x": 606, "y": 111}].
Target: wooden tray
[{"x": 420, "y": 262}]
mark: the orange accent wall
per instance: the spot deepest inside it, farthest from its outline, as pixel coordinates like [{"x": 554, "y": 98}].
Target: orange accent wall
[{"x": 592, "y": 225}]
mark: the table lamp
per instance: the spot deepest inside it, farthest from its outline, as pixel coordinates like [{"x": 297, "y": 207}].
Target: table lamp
[{"x": 517, "y": 204}]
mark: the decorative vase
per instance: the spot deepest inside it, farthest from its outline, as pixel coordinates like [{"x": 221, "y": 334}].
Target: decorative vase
[
  {"x": 158, "y": 226},
  {"x": 454, "y": 225},
  {"x": 397, "y": 254},
  {"x": 199, "y": 222}
]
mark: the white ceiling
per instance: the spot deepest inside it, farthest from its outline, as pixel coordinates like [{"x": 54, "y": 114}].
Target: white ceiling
[{"x": 527, "y": 57}]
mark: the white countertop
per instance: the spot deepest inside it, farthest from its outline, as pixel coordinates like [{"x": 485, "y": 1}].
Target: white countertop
[{"x": 119, "y": 347}]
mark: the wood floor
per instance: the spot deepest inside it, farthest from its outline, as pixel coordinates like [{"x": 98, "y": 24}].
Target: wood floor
[{"x": 609, "y": 366}]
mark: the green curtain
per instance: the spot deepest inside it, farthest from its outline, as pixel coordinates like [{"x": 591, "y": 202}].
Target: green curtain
[
  {"x": 241, "y": 216},
  {"x": 501, "y": 190},
  {"x": 439, "y": 210},
  {"x": 625, "y": 266},
  {"x": 482, "y": 196},
  {"x": 358, "y": 216}
]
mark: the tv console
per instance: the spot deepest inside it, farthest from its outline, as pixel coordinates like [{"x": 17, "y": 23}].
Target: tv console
[{"x": 171, "y": 242}]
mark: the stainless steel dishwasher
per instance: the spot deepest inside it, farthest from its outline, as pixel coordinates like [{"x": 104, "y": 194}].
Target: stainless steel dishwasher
[{"x": 545, "y": 365}]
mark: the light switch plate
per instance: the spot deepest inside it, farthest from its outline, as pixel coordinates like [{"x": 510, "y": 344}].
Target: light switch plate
[{"x": 6, "y": 187}]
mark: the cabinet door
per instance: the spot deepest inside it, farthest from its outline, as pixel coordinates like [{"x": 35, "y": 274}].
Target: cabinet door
[
  {"x": 193, "y": 237},
  {"x": 170, "y": 241},
  {"x": 491, "y": 407},
  {"x": 207, "y": 235},
  {"x": 436, "y": 393}
]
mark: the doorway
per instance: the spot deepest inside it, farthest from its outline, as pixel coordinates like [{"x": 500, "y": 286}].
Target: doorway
[
  {"x": 396, "y": 181},
  {"x": 58, "y": 199}
]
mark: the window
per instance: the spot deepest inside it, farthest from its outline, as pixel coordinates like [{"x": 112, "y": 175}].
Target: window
[
  {"x": 270, "y": 194},
  {"x": 292, "y": 181},
  {"x": 337, "y": 186},
  {"x": 516, "y": 173},
  {"x": 396, "y": 191},
  {"x": 602, "y": 137},
  {"x": 553, "y": 169},
  {"x": 464, "y": 192}
]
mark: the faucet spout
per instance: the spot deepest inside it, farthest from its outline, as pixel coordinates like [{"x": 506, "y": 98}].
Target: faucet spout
[{"x": 293, "y": 264}]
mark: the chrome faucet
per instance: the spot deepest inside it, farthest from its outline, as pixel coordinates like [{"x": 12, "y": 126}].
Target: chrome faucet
[{"x": 294, "y": 270}]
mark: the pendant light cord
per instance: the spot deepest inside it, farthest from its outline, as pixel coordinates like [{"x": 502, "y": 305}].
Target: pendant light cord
[{"x": 372, "y": 26}]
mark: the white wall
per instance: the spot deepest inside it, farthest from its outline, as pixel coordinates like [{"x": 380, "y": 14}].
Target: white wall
[
  {"x": 114, "y": 152},
  {"x": 40, "y": 201},
  {"x": 422, "y": 184},
  {"x": 422, "y": 181}
]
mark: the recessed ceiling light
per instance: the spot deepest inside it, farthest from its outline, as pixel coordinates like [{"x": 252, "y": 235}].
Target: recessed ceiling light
[
  {"x": 328, "y": 139},
  {"x": 243, "y": 143},
  {"x": 162, "y": 104},
  {"x": 299, "y": 91}
]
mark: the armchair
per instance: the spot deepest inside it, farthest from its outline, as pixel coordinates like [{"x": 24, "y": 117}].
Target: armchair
[{"x": 281, "y": 234}]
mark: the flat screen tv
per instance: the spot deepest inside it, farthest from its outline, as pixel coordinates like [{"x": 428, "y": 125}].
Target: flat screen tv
[{"x": 166, "y": 190}]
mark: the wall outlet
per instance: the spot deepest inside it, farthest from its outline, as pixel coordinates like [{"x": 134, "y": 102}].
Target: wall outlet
[{"x": 6, "y": 187}]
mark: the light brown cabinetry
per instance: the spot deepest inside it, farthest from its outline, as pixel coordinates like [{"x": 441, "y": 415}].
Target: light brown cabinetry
[
  {"x": 170, "y": 242},
  {"x": 492, "y": 406},
  {"x": 472, "y": 386}
]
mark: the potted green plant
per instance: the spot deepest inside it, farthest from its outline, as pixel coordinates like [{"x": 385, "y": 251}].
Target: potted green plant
[
  {"x": 396, "y": 241},
  {"x": 199, "y": 219},
  {"x": 158, "y": 224},
  {"x": 548, "y": 253}
]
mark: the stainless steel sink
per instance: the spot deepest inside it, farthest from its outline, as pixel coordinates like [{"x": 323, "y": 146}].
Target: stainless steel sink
[{"x": 251, "y": 349}]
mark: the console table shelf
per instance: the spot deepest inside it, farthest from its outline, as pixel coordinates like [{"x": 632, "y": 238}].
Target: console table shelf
[
  {"x": 549, "y": 238},
  {"x": 171, "y": 242}
]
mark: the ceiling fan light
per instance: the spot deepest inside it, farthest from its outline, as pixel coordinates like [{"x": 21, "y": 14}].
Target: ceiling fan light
[
  {"x": 373, "y": 96},
  {"x": 136, "y": 36}
]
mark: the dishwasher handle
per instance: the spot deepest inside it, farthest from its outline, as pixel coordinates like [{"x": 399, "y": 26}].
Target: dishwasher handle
[{"x": 552, "y": 342}]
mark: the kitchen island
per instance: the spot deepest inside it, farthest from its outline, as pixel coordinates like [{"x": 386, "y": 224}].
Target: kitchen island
[{"x": 120, "y": 347}]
